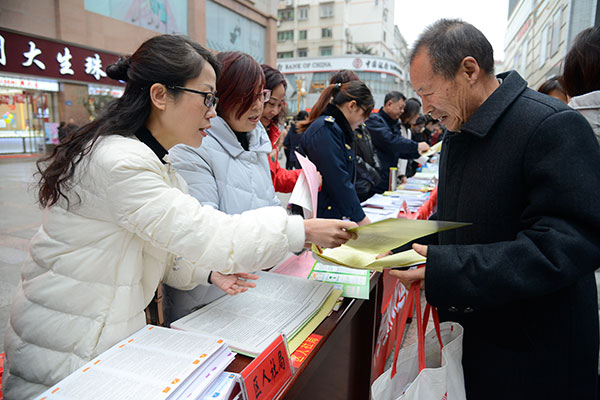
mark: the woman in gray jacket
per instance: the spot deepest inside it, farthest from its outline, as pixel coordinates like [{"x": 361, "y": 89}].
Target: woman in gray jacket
[{"x": 230, "y": 172}]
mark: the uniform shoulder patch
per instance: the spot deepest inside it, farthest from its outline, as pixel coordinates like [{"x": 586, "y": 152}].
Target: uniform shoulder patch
[{"x": 329, "y": 118}]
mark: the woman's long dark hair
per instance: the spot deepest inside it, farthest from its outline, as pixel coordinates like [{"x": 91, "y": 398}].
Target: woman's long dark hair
[
  {"x": 581, "y": 64},
  {"x": 168, "y": 59},
  {"x": 412, "y": 108},
  {"x": 338, "y": 95},
  {"x": 274, "y": 78}
]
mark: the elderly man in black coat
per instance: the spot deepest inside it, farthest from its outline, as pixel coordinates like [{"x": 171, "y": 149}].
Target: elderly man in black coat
[{"x": 520, "y": 278}]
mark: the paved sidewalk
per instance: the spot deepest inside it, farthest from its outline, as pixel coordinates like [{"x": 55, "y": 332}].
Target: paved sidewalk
[{"x": 20, "y": 217}]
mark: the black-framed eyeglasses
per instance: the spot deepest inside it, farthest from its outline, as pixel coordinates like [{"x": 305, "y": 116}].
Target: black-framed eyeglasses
[{"x": 210, "y": 98}]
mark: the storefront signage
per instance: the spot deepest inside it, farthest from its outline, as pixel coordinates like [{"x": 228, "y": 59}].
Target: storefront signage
[
  {"x": 23, "y": 54},
  {"x": 22, "y": 83},
  {"x": 358, "y": 63},
  {"x": 269, "y": 372},
  {"x": 105, "y": 91}
]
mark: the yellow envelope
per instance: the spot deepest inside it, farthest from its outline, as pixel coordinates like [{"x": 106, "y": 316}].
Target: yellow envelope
[
  {"x": 357, "y": 259},
  {"x": 380, "y": 237}
]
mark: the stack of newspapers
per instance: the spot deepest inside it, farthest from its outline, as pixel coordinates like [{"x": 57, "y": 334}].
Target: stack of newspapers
[
  {"x": 153, "y": 363},
  {"x": 250, "y": 321}
]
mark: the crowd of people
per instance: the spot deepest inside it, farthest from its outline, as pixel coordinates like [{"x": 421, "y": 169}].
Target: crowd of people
[{"x": 176, "y": 182}]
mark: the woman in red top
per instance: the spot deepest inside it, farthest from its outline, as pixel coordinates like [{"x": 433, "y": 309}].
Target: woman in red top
[{"x": 283, "y": 179}]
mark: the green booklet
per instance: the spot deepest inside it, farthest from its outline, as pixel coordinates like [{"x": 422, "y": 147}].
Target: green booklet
[{"x": 352, "y": 282}]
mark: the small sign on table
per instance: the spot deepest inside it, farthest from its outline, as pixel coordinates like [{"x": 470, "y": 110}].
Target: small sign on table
[{"x": 269, "y": 372}]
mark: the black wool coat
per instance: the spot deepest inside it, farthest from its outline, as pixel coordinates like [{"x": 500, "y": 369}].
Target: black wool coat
[{"x": 520, "y": 279}]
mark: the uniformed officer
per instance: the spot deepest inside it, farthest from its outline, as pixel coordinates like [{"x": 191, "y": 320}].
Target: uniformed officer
[{"x": 328, "y": 142}]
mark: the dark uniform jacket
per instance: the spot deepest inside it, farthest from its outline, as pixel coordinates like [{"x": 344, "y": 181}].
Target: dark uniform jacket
[
  {"x": 389, "y": 144},
  {"x": 520, "y": 278},
  {"x": 367, "y": 164},
  {"x": 328, "y": 143},
  {"x": 290, "y": 145}
]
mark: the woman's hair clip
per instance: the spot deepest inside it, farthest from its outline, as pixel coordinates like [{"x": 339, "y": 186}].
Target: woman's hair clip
[{"x": 339, "y": 84}]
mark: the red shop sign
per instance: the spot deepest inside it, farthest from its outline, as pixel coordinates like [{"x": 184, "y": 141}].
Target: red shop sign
[
  {"x": 29, "y": 55},
  {"x": 269, "y": 372}
]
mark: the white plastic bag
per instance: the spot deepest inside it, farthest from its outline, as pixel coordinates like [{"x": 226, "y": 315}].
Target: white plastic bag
[{"x": 440, "y": 378}]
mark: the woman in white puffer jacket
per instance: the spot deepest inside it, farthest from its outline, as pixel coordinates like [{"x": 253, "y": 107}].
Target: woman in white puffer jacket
[
  {"x": 230, "y": 171},
  {"x": 117, "y": 221},
  {"x": 581, "y": 80}
]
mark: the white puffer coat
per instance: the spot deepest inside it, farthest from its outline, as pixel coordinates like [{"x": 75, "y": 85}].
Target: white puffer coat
[
  {"x": 589, "y": 106},
  {"x": 221, "y": 174},
  {"x": 94, "y": 267}
]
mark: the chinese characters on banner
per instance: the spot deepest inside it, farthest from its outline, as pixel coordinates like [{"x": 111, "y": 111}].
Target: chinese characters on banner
[
  {"x": 269, "y": 372},
  {"x": 43, "y": 57},
  {"x": 302, "y": 352}
]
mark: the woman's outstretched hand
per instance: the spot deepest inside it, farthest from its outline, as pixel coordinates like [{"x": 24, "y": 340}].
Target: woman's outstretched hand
[
  {"x": 233, "y": 284},
  {"x": 328, "y": 232}
]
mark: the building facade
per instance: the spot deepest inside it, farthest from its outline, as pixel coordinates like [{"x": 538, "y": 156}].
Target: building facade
[
  {"x": 540, "y": 32},
  {"x": 316, "y": 38},
  {"x": 53, "y": 53},
  {"x": 307, "y": 77}
]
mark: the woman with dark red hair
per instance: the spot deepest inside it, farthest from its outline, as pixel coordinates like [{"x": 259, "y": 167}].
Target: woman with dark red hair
[{"x": 230, "y": 172}]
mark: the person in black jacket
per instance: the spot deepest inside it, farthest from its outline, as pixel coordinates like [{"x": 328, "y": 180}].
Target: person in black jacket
[
  {"x": 520, "y": 278},
  {"x": 292, "y": 140},
  {"x": 366, "y": 160},
  {"x": 390, "y": 145},
  {"x": 327, "y": 140}
]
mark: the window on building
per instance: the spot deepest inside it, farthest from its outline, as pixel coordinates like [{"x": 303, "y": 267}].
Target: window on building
[
  {"x": 302, "y": 13},
  {"x": 516, "y": 59},
  {"x": 302, "y": 35},
  {"x": 384, "y": 36},
  {"x": 385, "y": 15},
  {"x": 282, "y": 36},
  {"x": 302, "y": 52},
  {"x": 285, "y": 54},
  {"x": 555, "y": 35},
  {"x": 326, "y": 32},
  {"x": 285, "y": 15},
  {"x": 327, "y": 10},
  {"x": 523, "y": 67},
  {"x": 544, "y": 45},
  {"x": 325, "y": 51}
]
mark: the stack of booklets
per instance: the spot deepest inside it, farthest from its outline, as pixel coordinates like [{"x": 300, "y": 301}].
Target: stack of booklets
[
  {"x": 153, "y": 363},
  {"x": 250, "y": 321}
]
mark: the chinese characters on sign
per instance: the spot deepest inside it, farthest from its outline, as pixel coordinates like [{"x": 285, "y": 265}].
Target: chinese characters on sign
[
  {"x": 93, "y": 66},
  {"x": 302, "y": 352},
  {"x": 65, "y": 63},
  {"x": 269, "y": 372},
  {"x": 44, "y": 57},
  {"x": 31, "y": 55},
  {"x": 2, "y": 53}
]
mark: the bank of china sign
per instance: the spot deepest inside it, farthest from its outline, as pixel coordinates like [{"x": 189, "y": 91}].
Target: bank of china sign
[{"x": 363, "y": 63}]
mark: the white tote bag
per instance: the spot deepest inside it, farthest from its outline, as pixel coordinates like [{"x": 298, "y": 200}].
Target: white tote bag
[{"x": 423, "y": 371}]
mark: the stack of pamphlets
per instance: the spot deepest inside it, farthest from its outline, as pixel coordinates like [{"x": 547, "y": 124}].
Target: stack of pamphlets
[
  {"x": 153, "y": 363},
  {"x": 250, "y": 321}
]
